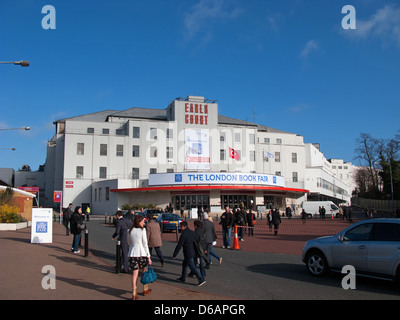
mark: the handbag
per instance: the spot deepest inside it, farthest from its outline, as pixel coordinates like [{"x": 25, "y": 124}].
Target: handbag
[
  {"x": 148, "y": 276},
  {"x": 81, "y": 226}
]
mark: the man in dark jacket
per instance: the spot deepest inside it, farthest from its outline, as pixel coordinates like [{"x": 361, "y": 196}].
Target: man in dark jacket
[
  {"x": 122, "y": 227},
  {"x": 67, "y": 213},
  {"x": 226, "y": 223},
  {"x": 241, "y": 221},
  {"x": 186, "y": 241},
  {"x": 276, "y": 220}
]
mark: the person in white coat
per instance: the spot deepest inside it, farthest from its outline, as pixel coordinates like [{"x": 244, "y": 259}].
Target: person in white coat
[{"x": 139, "y": 254}]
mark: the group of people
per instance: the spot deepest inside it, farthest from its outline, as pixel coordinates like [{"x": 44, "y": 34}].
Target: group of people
[
  {"x": 239, "y": 217},
  {"x": 138, "y": 241}
]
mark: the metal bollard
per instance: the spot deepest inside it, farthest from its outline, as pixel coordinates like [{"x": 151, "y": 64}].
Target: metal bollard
[
  {"x": 86, "y": 242},
  {"x": 177, "y": 233},
  {"x": 118, "y": 257}
]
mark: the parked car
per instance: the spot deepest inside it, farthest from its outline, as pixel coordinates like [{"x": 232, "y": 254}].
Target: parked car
[
  {"x": 372, "y": 247},
  {"x": 169, "y": 221},
  {"x": 154, "y": 212}
]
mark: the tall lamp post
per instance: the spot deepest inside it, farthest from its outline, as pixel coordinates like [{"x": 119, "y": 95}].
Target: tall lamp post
[
  {"x": 22, "y": 128},
  {"x": 22, "y": 63}
]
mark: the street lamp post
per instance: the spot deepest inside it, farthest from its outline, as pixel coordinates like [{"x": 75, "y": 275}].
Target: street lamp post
[
  {"x": 22, "y": 128},
  {"x": 22, "y": 63}
]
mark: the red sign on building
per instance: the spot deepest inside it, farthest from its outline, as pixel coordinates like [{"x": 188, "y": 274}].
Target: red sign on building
[{"x": 57, "y": 196}]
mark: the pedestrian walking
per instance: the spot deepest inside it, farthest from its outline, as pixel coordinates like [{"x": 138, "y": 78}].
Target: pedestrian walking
[
  {"x": 67, "y": 213},
  {"x": 251, "y": 222},
  {"x": 226, "y": 223},
  {"x": 303, "y": 216},
  {"x": 87, "y": 213},
  {"x": 276, "y": 220},
  {"x": 76, "y": 218},
  {"x": 200, "y": 250},
  {"x": 139, "y": 254},
  {"x": 209, "y": 237},
  {"x": 154, "y": 239},
  {"x": 186, "y": 242},
  {"x": 269, "y": 220},
  {"x": 121, "y": 231},
  {"x": 240, "y": 221},
  {"x": 289, "y": 212}
]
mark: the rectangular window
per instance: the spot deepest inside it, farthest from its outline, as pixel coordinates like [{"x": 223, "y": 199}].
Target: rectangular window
[
  {"x": 295, "y": 176},
  {"x": 120, "y": 150},
  {"x": 135, "y": 173},
  {"x": 170, "y": 133},
  {"x": 135, "y": 151},
  {"x": 103, "y": 149},
  {"x": 153, "y": 170},
  {"x": 170, "y": 152},
  {"x": 136, "y": 132},
  {"x": 294, "y": 157},
  {"x": 222, "y": 137},
  {"x": 79, "y": 172},
  {"x": 80, "y": 149},
  {"x": 103, "y": 172},
  {"x": 106, "y": 131},
  {"x": 237, "y": 136},
  {"x": 90, "y": 130},
  {"x": 107, "y": 193},
  {"x": 279, "y": 141},
  {"x": 252, "y": 156},
  {"x": 100, "y": 194},
  {"x": 222, "y": 155},
  {"x": 153, "y": 133},
  {"x": 153, "y": 152},
  {"x": 277, "y": 157},
  {"x": 252, "y": 138},
  {"x": 266, "y": 140}
]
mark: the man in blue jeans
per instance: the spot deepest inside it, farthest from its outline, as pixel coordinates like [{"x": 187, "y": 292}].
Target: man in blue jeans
[
  {"x": 186, "y": 241},
  {"x": 226, "y": 223}
]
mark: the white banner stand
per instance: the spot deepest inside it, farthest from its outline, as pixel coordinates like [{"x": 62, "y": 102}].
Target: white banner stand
[{"x": 42, "y": 225}]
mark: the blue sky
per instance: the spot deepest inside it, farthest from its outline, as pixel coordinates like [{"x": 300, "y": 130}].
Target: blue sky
[{"x": 290, "y": 63}]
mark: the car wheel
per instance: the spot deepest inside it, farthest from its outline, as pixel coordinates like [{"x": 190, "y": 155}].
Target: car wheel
[{"x": 316, "y": 263}]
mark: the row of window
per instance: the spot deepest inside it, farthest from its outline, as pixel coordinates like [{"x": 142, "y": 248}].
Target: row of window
[
  {"x": 169, "y": 135},
  {"x": 252, "y": 138},
  {"x": 119, "y": 152},
  {"x": 135, "y": 132},
  {"x": 135, "y": 173},
  {"x": 170, "y": 153},
  {"x": 98, "y": 196}
]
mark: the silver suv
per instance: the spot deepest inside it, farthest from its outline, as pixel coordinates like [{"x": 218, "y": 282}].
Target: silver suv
[{"x": 372, "y": 247}]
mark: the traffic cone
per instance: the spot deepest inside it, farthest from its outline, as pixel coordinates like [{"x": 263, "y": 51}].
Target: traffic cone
[
  {"x": 236, "y": 240},
  {"x": 332, "y": 217}
]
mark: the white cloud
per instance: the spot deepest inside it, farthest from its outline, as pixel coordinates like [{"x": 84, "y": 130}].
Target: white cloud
[
  {"x": 383, "y": 25},
  {"x": 204, "y": 14},
  {"x": 310, "y": 47}
]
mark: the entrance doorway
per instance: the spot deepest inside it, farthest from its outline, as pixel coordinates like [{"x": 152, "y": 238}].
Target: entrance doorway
[
  {"x": 188, "y": 202},
  {"x": 234, "y": 200}
]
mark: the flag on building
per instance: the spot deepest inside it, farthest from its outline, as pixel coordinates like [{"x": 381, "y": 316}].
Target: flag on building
[
  {"x": 268, "y": 155},
  {"x": 234, "y": 154}
]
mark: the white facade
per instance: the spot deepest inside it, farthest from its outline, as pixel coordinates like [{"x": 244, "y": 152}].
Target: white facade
[{"x": 104, "y": 159}]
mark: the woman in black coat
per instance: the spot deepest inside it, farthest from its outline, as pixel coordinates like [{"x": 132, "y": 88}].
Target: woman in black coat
[{"x": 75, "y": 219}]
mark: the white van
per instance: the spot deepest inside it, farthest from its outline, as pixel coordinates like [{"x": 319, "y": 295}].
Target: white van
[{"x": 312, "y": 207}]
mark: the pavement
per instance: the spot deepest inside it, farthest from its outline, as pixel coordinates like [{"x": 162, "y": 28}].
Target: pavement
[
  {"x": 94, "y": 278},
  {"x": 77, "y": 277}
]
